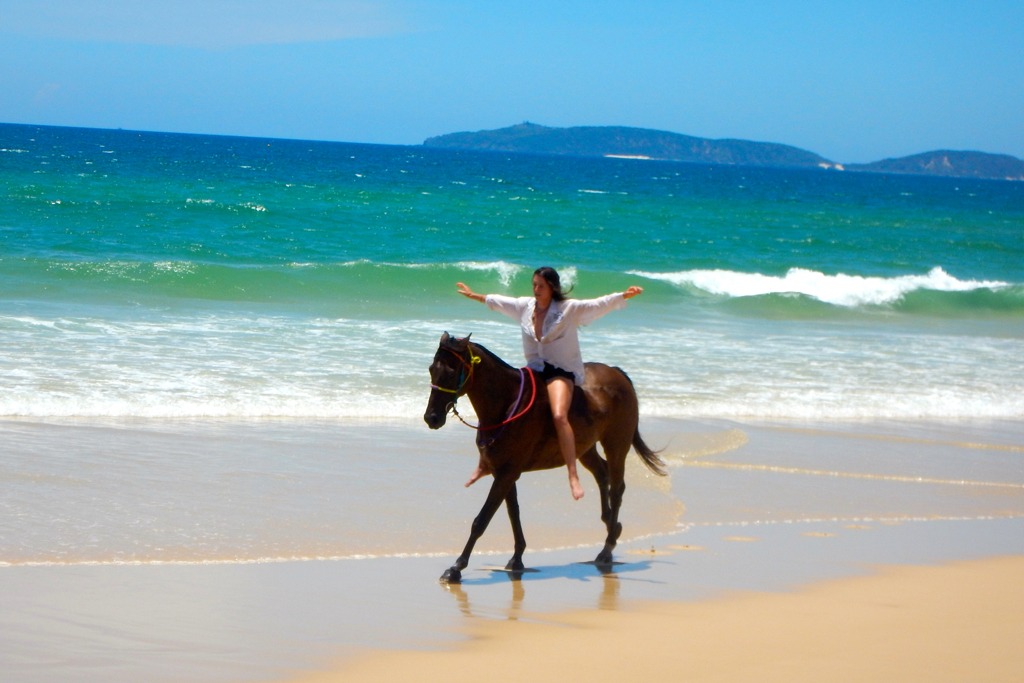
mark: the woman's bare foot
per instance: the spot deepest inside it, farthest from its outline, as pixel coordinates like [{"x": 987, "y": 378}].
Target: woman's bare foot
[
  {"x": 575, "y": 487},
  {"x": 477, "y": 475}
]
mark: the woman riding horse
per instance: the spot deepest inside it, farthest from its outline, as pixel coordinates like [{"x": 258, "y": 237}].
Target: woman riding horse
[
  {"x": 516, "y": 434},
  {"x": 549, "y": 323}
]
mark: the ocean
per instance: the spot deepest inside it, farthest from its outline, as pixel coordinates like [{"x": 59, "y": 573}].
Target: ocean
[
  {"x": 166, "y": 297},
  {"x": 158, "y": 275}
]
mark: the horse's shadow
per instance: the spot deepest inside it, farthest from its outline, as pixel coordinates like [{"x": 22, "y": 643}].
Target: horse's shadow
[
  {"x": 609, "y": 576},
  {"x": 577, "y": 571}
]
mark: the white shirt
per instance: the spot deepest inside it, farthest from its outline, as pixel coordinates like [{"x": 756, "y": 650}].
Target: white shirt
[{"x": 559, "y": 343}]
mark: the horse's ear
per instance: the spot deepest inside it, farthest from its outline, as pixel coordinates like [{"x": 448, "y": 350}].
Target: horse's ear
[{"x": 455, "y": 342}]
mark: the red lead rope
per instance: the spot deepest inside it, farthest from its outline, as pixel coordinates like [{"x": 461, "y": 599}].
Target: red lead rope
[{"x": 513, "y": 418}]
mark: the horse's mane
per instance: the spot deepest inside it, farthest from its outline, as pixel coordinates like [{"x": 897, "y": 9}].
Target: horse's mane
[
  {"x": 498, "y": 359},
  {"x": 481, "y": 349}
]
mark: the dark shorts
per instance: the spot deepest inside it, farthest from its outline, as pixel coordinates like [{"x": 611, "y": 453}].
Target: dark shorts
[{"x": 550, "y": 372}]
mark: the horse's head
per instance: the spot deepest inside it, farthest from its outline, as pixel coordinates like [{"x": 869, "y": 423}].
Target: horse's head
[{"x": 450, "y": 376}]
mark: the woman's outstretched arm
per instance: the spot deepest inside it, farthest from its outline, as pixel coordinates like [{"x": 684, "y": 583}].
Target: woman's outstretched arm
[{"x": 469, "y": 293}]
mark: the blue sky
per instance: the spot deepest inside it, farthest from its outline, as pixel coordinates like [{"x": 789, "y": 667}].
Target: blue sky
[{"x": 853, "y": 81}]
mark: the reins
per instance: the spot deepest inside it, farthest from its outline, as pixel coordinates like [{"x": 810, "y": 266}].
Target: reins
[
  {"x": 511, "y": 418},
  {"x": 468, "y": 377}
]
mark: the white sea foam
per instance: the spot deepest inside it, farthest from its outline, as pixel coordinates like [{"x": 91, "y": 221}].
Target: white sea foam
[
  {"x": 506, "y": 271},
  {"x": 839, "y": 289},
  {"x": 234, "y": 364}
]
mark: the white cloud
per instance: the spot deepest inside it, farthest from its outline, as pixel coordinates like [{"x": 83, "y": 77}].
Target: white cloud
[{"x": 207, "y": 24}]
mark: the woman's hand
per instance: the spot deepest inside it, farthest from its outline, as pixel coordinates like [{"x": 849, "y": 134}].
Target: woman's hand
[
  {"x": 469, "y": 293},
  {"x": 632, "y": 291}
]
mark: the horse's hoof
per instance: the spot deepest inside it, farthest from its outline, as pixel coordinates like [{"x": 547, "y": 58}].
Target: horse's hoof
[
  {"x": 604, "y": 558},
  {"x": 451, "y": 575},
  {"x": 515, "y": 566}
]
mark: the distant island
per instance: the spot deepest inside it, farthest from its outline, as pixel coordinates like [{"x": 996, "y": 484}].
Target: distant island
[
  {"x": 642, "y": 143},
  {"x": 950, "y": 163}
]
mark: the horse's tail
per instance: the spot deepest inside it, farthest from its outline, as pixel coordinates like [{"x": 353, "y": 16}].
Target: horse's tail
[
  {"x": 650, "y": 457},
  {"x": 647, "y": 454}
]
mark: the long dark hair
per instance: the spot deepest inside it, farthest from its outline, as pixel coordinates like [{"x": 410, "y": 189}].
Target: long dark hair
[{"x": 550, "y": 276}]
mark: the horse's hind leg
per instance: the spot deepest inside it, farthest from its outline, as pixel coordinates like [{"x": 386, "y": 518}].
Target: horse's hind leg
[
  {"x": 596, "y": 465},
  {"x": 512, "y": 504},
  {"x": 616, "y": 488},
  {"x": 609, "y": 476}
]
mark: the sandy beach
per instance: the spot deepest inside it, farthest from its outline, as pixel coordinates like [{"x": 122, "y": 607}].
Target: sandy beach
[
  {"x": 957, "y": 622},
  {"x": 886, "y": 551}
]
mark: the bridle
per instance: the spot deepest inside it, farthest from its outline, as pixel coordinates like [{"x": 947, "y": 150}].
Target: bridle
[{"x": 466, "y": 376}]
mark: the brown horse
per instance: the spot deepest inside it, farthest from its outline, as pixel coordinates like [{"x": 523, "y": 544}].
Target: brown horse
[{"x": 516, "y": 433}]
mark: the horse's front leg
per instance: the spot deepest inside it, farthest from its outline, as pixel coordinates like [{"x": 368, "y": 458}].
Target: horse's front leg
[
  {"x": 512, "y": 504},
  {"x": 503, "y": 483}
]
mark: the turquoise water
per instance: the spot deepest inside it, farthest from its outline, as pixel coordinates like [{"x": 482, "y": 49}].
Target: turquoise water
[{"x": 160, "y": 275}]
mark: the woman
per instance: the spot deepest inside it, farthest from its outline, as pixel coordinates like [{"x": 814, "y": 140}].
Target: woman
[{"x": 549, "y": 323}]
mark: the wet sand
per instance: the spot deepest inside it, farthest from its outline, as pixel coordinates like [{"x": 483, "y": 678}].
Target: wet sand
[{"x": 797, "y": 551}]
